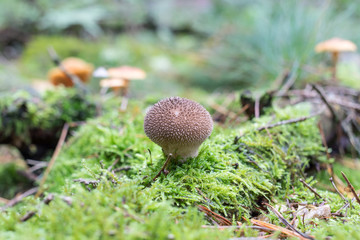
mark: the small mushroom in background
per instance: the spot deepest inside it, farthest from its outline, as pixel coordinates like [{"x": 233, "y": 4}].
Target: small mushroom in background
[
  {"x": 335, "y": 46},
  {"x": 119, "y": 79},
  {"x": 114, "y": 83},
  {"x": 179, "y": 126},
  {"x": 124, "y": 74},
  {"x": 75, "y": 66}
]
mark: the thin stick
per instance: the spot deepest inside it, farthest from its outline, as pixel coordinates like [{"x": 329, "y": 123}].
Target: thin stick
[
  {"x": 53, "y": 158},
  {"x": 163, "y": 167},
  {"x": 310, "y": 188},
  {"x": 284, "y": 221},
  {"x": 324, "y": 99},
  {"x": 337, "y": 190},
  {"x": 220, "y": 219},
  {"x": 264, "y": 229},
  {"x": 20, "y": 197},
  {"x": 345, "y": 206},
  {"x": 277, "y": 228},
  {"x": 27, "y": 216},
  {"x": 351, "y": 187},
  {"x": 290, "y": 121},
  {"x": 323, "y": 139}
]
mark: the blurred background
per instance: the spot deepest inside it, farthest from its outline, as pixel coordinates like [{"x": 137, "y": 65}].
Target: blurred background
[{"x": 212, "y": 45}]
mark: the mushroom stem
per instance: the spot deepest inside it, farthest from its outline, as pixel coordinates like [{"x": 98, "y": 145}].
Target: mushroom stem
[
  {"x": 334, "y": 58},
  {"x": 125, "y": 98},
  {"x": 125, "y": 90},
  {"x": 182, "y": 153}
]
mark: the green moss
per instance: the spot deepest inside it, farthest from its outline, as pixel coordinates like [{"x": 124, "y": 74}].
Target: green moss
[
  {"x": 122, "y": 211},
  {"x": 236, "y": 170},
  {"x": 21, "y": 112}
]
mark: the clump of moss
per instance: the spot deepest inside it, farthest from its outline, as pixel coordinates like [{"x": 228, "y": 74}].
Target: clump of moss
[
  {"x": 123, "y": 211},
  {"x": 225, "y": 176},
  {"x": 31, "y": 120},
  {"x": 236, "y": 170}
]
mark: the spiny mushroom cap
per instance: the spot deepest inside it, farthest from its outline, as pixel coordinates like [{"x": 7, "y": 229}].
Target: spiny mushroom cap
[
  {"x": 336, "y": 45},
  {"x": 126, "y": 72},
  {"x": 76, "y": 66},
  {"x": 178, "y": 121}
]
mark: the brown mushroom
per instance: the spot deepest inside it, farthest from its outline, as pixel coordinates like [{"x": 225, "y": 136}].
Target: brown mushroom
[
  {"x": 179, "y": 126},
  {"x": 335, "y": 46},
  {"x": 76, "y": 66},
  {"x": 126, "y": 73},
  {"x": 114, "y": 83}
]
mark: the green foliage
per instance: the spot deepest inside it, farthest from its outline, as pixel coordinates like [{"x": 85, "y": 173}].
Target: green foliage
[
  {"x": 225, "y": 172},
  {"x": 122, "y": 211},
  {"x": 17, "y": 13},
  {"x": 231, "y": 176},
  {"x": 268, "y": 38}
]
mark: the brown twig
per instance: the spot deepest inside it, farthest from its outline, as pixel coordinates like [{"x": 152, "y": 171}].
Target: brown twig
[
  {"x": 264, "y": 229},
  {"x": 284, "y": 221},
  {"x": 337, "y": 190},
  {"x": 20, "y": 197},
  {"x": 49, "y": 198},
  {"x": 53, "y": 158},
  {"x": 324, "y": 99},
  {"x": 278, "y": 228},
  {"x": 323, "y": 139},
  {"x": 94, "y": 183},
  {"x": 113, "y": 164},
  {"x": 27, "y": 216},
  {"x": 203, "y": 195},
  {"x": 351, "y": 187},
  {"x": 125, "y": 168},
  {"x": 290, "y": 121},
  {"x": 163, "y": 167},
  {"x": 345, "y": 206},
  {"x": 218, "y": 218},
  {"x": 310, "y": 188}
]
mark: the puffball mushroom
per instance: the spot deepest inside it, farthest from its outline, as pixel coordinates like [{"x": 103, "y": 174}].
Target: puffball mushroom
[
  {"x": 335, "y": 46},
  {"x": 179, "y": 126}
]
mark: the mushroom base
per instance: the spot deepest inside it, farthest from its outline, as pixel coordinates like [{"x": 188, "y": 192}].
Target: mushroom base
[{"x": 182, "y": 153}]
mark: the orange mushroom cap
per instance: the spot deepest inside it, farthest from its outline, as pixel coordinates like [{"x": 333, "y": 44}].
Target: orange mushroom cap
[
  {"x": 76, "y": 66},
  {"x": 113, "y": 83},
  {"x": 126, "y": 72},
  {"x": 336, "y": 45}
]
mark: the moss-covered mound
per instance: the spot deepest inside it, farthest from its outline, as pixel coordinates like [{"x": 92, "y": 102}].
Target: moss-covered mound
[
  {"x": 32, "y": 122},
  {"x": 104, "y": 189}
]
